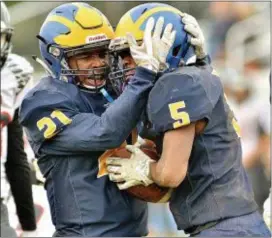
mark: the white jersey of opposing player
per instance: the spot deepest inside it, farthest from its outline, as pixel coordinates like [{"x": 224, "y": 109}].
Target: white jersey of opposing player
[
  {"x": 23, "y": 72},
  {"x": 15, "y": 78},
  {"x": 8, "y": 92}
]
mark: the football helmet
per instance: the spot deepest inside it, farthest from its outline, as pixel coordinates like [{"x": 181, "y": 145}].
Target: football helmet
[
  {"x": 6, "y": 34},
  {"x": 74, "y": 29},
  {"x": 134, "y": 21}
]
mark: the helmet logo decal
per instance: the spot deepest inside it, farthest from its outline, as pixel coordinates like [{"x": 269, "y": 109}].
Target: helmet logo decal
[{"x": 96, "y": 38}]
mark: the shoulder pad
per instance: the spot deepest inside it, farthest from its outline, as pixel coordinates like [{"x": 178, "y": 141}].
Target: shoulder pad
[
  {"x": 44, "y": 112},
  {"x": 186, "y": 95}
]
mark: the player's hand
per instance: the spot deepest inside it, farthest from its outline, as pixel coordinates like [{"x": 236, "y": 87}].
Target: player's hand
[
  {"x": 154, "y": 49},
  {"x": 133, "y": 171},
  {"x": 143, "y": 54},
  {"x": 197, "y": 39},
  {"x": 162, "y": 42}
]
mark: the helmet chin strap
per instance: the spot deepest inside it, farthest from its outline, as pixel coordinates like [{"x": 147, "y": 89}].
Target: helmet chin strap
[
  {"x": 41, "y": 62},
  {"x": 93, "y": 87},
  {"x": 102, "y": 90},
  {"x": 106, "y": 95},
  {"x": 190, "y": 56}
]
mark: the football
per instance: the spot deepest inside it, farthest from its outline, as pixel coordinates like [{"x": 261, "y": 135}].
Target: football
[{"x": 152, "y": 193}]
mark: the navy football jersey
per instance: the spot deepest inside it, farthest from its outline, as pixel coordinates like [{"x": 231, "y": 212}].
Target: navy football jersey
[
  {"x": 69, "y": 130},
  {"x": 216, "y": 185}
]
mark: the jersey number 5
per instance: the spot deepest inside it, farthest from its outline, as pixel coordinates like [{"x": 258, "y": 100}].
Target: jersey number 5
[
  {"x": 51, "y": 127},
  {"x": 181, "y": 118}
]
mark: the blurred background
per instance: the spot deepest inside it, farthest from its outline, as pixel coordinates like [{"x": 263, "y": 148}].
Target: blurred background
[{"x": 238, "y": 40}]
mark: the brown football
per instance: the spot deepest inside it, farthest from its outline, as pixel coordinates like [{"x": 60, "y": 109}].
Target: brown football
[{"x": 152, "y": 193}]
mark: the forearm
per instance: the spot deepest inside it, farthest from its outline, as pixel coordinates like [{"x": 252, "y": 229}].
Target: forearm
[
  {"x": 89, "y": 132},
  {"x": 157, "y": 175},
  {"x": 124, "y": 113},
  {"x": 18, "y": 174},
  {"x": 160, "y": 174},
  {"x": 171, "y": 168}
]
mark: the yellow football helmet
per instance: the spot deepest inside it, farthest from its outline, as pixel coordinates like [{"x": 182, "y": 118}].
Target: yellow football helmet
[
  {"x": 72, "y": 29},
  {"x": 134, "y": 21}
]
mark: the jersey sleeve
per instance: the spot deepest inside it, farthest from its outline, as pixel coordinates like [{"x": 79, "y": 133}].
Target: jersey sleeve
[
  {"x": 8, "y": 95},
  {"x": 177, "y": 100},
  {"x": 46, "y": 115},
  {"x": 56, "y": 125}
]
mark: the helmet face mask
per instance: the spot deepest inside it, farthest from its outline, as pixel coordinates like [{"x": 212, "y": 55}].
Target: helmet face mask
[
  {"x": 121, "y": 72},
  {"x": 76, "y": 31},
  {"x": 76, "y": 73},
  {"x": 118, "y": 43},
  {"x": 6, "y": 34}
]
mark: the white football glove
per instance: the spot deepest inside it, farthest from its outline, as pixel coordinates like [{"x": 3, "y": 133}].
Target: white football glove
[
  {"x": 162, "y": 45},
  {"x": 197, "y": 39},
  {"x": 154, "y": 49},
  {"x": 133, "y": 171}
]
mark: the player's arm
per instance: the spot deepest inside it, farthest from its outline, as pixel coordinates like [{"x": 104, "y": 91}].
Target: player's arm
[
  {"x": 65, "y": 130},
  {"x": 8, "y": 95},
  {"x": 196, "y": 38},
  {"x": 171, "y": 169},
  {"x": 185, "y": 115},
  {"x": 179, "y": 106},
  {"x": 23, "y": 72}
]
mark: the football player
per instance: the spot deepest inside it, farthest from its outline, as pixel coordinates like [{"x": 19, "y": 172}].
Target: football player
[
  {"x": 15, "y": 74},
  {"x": 196, "y": 133},
  {"x": 70, "y": 120},
  {"x": 17, "y": 165},
  {"x": 8, "y": 92}
]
